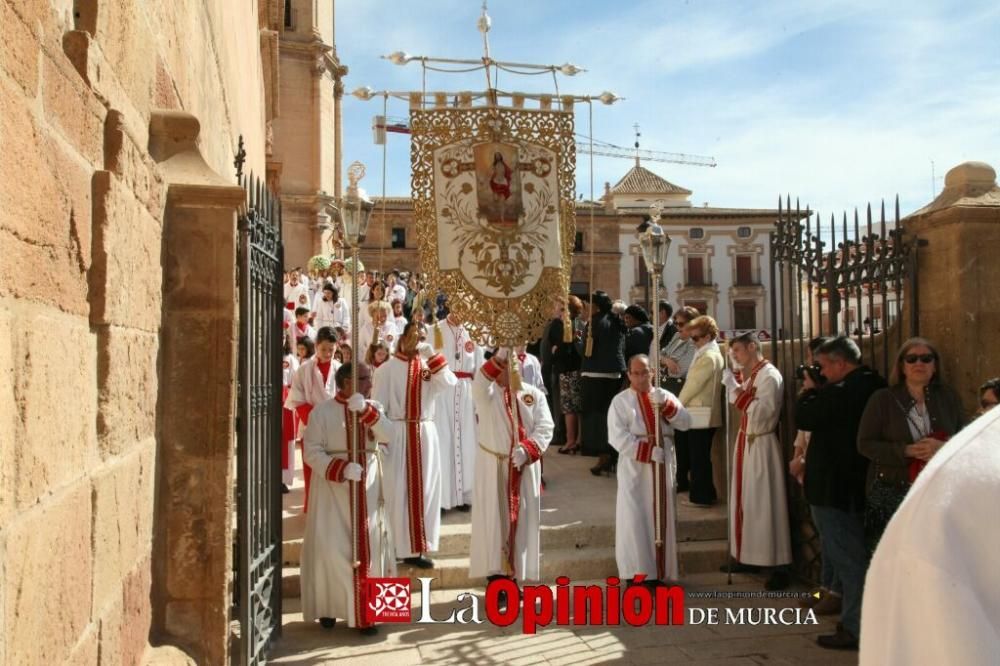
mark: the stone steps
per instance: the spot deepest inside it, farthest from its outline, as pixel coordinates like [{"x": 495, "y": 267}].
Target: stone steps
[
  {"x": 593, "y": 562},
  {"x": 455, "y": 537}
]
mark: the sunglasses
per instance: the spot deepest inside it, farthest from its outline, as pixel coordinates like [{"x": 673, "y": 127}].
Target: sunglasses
[{"x": 923, "y": 358}]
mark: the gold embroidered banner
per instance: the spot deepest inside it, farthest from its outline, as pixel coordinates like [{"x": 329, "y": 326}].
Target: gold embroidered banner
[{"x": 493, "y": 201}]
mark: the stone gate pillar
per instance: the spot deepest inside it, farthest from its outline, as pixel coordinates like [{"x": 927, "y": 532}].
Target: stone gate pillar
[
  {"x": 958, "y": 276},
  {"x": 194, "y": 499}
]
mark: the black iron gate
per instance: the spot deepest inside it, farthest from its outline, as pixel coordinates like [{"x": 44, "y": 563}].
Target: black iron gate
[
  {"x": 257, "y": 584},
  {"x": 823, "y": 284}
]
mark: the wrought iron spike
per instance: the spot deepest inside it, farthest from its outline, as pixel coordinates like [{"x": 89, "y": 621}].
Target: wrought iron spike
[{"x": 241, "y": 156}]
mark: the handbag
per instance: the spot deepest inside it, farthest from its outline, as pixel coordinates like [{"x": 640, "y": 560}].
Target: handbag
[{"x": 701, "y": 417}]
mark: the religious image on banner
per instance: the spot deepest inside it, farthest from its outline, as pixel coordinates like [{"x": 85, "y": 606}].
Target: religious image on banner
[{"x": 493, "y": 201}]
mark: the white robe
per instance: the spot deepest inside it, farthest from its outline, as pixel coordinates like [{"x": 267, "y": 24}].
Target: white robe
[
  {"x": 331, "y": 313},
  {"x": 456, "y": 417},
  {"x": 290, "y": 365},
  {"x": 397, "y": 293},
  {"x": 490, "y": 520},
  {"x": 308, "y": 386},
  {"x": 298, "y": 295},
  {"x": 758, "y": 507},
  {"x": 328, "y": 583},
  {"x": 531, "y": 371},
  {"x": 390, "y": 389},
  {"x": 932, "y": 593},
  {"x": 635, "y": 530}
]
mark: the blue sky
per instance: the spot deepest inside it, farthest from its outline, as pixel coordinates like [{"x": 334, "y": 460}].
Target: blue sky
[{"x": 837, "y": 102}]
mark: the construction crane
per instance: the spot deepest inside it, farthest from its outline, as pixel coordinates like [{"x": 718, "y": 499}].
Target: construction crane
[
  {"x": 605, "y": 149},
  {"x": 400, "y": 125}
]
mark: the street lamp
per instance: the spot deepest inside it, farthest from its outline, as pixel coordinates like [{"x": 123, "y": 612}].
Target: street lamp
[
  {"x": 354, "y": 213},
  {"x": 655, "y": 244}
]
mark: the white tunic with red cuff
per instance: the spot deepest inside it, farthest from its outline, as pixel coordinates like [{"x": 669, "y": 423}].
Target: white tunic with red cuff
[
  {"x": 759, "y": 532},
  {"x": 506, "y": 508},
  {"x": 631, "y": 433},
  {"x": 331, "y": 587},
  {"x": 407, "y": 388},
  {"x": 456, "y": 416}
]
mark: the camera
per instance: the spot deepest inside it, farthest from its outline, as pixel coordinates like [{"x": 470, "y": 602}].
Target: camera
[{"x": 813, "y": 371}]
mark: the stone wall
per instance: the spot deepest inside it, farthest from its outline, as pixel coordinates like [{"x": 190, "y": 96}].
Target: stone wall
[{"x": 81, "y": 298}]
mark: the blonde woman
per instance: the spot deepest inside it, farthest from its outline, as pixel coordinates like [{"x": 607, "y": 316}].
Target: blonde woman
[{"x": 702, "y": 389}]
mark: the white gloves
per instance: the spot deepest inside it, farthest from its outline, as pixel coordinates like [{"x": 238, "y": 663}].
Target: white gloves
[
  {"x": 352, "y": 472},
  {"x": 356, "y": 403},
  {"x": 520, "y": 457},
  {"x": 658, "y": 455},
  {"x": 501, "y": 354},
  {"x": 729, "y": 380},
  {"x": 658, "y": 396},
  {"x": 425, "y": 350}
]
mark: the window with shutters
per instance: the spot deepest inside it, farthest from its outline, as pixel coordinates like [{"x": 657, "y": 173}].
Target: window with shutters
[
  {"x": 744, "y": 315},
  {"x": 744, "y": 270},
  {"x": 398, "y": 238},
  {"x": 578, "y": 242},
  {"x": 696, "y": 271}
]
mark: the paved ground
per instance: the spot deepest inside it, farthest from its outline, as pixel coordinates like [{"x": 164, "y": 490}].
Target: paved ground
[{"x": 573, "y": 498}]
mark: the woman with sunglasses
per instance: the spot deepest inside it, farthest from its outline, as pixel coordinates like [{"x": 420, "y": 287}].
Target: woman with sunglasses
[{"x": 903, "y": 426}]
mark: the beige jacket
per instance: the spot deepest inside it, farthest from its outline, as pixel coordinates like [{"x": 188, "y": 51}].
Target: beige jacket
[{"x": 703, "y": 386}]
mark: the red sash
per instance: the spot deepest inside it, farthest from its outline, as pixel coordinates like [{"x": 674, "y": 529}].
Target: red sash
[
  {"x": 360, "y": 511},
  {"x": 414, "y": 462},
  {"x": 648, "y": 417},
  {"x": 513, "y": 478},
  {"x": 743, "y": 404}
]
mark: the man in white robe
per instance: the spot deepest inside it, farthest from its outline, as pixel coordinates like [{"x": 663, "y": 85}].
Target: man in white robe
[
  {"x": 296, "y": 291},
  {"x": 351, "y": 482},
  {"x": 407, "y": 386},
  {"x": 932, "y": 592},
  {"x": 313, "y": 384},
  {"x": 514, "y": 431},
  {"x": 456, "y": 416},
  {"x": 631, "y": 430},
  {"x": 531, "y": 369},
  {"x": 759, "y": 535}
]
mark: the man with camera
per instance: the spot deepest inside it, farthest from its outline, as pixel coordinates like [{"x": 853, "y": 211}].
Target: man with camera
[{"x": 835, "y": 473}]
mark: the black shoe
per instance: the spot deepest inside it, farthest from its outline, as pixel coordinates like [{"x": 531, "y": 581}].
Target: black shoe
[
  {"x": 284, "y": 489},
  {"x": 778, "y": 580},
  {"x": 842, "y": 640},
  {"x": 739, "y": 567},
  {"x": 420, "y": 562},
  {"x": 328, "y": 622},
  {"x": 464, "y": 508},
  {"x": 368, "y": 631}
]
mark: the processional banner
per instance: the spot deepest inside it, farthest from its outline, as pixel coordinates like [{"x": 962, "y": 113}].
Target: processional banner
[{"x": 493, "y": 198}]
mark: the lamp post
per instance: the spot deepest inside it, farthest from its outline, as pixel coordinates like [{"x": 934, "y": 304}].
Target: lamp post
[
  {"x": 655, "y": 244},
  {"x": 354, "y": 211}
]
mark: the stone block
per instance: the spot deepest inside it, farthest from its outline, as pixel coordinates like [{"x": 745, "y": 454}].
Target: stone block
[
  {"x": 46, "y": 218},
  {"x": 122, "y": 508},
  {"x": 199, "y": 243},
  {"x": 87, "y": 649},
  {"x": 132, "y": 164},
  {"x": 47, "y": 578},
  {"x": 19, "y": 57},
  {"x": 9, "y": 421},
  {"x": 127, "y": 387},
  {"x": 71, "y": 107},
  {"x": 125, "y": 279},
  {"x": 137, "y": 613},
  {"x": 55, "y": 379},
  {"x": 121, "y": 31}
]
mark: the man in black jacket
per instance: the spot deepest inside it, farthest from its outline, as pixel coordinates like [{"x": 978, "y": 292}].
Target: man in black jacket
[
  {"x": 601, "y": 378},
  {"x": 835, "y": 473},
  {"x": 639, "y": 339}
]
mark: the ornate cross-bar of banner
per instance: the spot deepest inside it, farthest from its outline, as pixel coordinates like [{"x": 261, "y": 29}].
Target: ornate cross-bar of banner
[{"x": 493, "y": 200}]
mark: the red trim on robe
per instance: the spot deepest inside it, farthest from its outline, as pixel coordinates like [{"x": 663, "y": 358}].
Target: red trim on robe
[
  {"x": 644, "y": 452},
  {"x": 492, "y": 369},
  {"x": 670, "y": 408},
  {"x": 646, "y": 407},
  {"x": 335, "y": 470},
  {"x": 414, "y": 462},
  {"x": 743, "y": 404},
  {"x": 361, "y": 573},
  {"x": 436, "y": 363},
  {"x": 532, "y": 449},
  {"x": 513, "y": 479}
]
